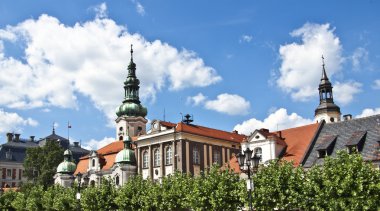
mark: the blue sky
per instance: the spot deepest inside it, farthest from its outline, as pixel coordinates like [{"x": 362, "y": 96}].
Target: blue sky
[{"x": 243, "y": 66}]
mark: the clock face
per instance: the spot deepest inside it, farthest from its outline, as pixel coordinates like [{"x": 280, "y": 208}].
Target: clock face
[{"x": 156, "y": 125}]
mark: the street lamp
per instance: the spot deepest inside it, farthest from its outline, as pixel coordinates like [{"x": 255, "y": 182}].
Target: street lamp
[
  {"x": 248, "y": 164},
  {"x": 79, "y": 177}
]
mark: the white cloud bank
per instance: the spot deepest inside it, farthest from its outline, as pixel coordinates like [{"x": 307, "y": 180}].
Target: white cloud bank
[
  {"x": 230, "y": 104},
  {"x": 12, "y": 122},
  {"x": 369, "y": 112},
  {"x": 90, "y": 58},
  {"x": 97, "y": 144},
  {"x": 301, "y": 66},
  {"x": 278, "y": 120}
]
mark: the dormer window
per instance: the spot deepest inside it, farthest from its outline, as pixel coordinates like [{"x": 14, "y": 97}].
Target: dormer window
[
  {"x": 356, "y": 141},
  {"x": 326, "y": 146},
  {"x": 8, "y": 155},
  {"x": 322, "y": 153}
]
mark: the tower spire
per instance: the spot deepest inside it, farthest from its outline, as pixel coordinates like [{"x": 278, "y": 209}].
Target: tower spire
[
  {"x": 326, "y": 110},
  {"x": 132, "y": 52}
]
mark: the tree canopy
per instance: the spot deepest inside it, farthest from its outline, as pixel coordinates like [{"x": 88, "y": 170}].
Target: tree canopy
[{"x": 41, "y": 163}]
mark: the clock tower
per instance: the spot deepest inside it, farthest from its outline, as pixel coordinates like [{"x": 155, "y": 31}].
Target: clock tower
[{"x": 131, "y": 114}]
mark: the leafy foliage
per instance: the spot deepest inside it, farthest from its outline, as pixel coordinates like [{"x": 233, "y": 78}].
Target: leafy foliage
[
  {"x": 99, "y": 198},
  {"x": 342, "y": 183},
  {"x": 43, "y": 161}
]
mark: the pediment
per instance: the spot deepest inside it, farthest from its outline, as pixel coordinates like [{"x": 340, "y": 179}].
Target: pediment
[{"x": 256, "y": 136}]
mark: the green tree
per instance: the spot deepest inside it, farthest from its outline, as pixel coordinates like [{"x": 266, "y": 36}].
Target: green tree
[
  {"x": 136, "y": 194},
  {"x": 99, "y": 197},
  {"x": 59, "y": 198},
  {"x": 217, "y": 190},
  {"x": 41, "y": 163},
  {"x": 173, "y": 192},
  {"x": 278, "y": 185},
  {"x": 6, "y": 200},
  {"x": 30, "y": 199},
  {"x": 345, "y": 182}
]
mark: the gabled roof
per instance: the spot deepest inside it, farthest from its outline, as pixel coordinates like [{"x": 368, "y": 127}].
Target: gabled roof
[
  {"x": 210, "y": 132},
  {"x": 298, "y": 141},
  {"x": 326, "y": 142}
]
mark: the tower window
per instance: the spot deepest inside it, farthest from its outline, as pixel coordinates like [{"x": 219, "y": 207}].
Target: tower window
[
  {"x": 117, "y": 180},
  {"x": 120, "y": 138},
  {"x": 120, "y": 128},
  {"x": 93, "y": 162},
  {"x": 332, "y": 119}
]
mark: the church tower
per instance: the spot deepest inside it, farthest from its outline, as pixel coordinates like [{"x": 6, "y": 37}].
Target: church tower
[
  {"x": 131, "y": 114},
  {"x": 327, "y": 110}
]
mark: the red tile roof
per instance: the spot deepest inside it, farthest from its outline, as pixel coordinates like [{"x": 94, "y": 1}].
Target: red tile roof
[
  {"x": 298, "y": 140},
  {"x": 106, "y": 155},
  {"x": 210, "y": 132}
]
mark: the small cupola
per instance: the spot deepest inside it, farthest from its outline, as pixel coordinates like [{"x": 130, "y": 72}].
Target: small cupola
[
  {"x": 67, "y": 166},
  {"x": 126, "y": 155}
]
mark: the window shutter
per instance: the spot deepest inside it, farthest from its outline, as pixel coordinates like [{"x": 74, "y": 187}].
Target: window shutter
[
  {"x": 14, "y": 174},
  {"x": 4, "y": 173}
]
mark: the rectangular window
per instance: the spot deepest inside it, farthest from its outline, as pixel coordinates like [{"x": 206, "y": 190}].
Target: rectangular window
[
  {"x": 9, "y": 172},
  {"x": 216, "y": 157}
]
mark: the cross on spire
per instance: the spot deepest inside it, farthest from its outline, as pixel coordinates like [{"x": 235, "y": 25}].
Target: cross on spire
[
  {"x": 323, "y": 61},
  {"x": 131, "y": 52}
]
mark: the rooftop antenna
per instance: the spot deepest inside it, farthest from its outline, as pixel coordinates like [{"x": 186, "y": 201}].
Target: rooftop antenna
[
  {"x": 188, "y": 119},
  {"x": 164, "y": 114}
]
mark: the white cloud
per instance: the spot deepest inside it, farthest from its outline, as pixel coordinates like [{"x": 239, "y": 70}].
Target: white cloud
[
  {"x": 101, "y": 10},
  {"x": 359, "y": 56},
  {"x": 344, "y": 92},
  {"x": 229, "y": 104},
  {"x": 12, "y": 122},
  {"x": 376, "y": 84},
  {"x": 245, "y": 38},
  {"x": 95, "y": 144},
  {"x": 301, "y": 66},
  {"x": 278, "y": 120},
  {"x": 196, "y": 100},
  {"x": 91, "y": 58},
  {"x": 369, "y": 112},
  {"x": 140, "y": 9}
]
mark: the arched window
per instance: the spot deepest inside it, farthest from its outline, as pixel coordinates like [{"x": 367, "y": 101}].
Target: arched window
[
  {"x": 117, "y": 180},
  {"x": 168, "y": 155},
  {"x": 93, "y": 162},
  {"x": 196, "y": 156},
  {"x": 216, "y": 157},
  {"x": 145, "y": 159},
  {"x": 157, "y": 157},
  {"x": 259, "y": 152},
  {"x": 92, "y": 183}
]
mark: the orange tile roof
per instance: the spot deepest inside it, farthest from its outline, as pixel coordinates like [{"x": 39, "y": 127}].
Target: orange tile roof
[
  {"x": 210, "y": 132},
  {"x": 298, "y": 140},
  {"x": 106, "y": 155}
]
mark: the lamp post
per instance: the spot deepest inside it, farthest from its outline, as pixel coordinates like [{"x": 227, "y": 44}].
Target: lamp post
[
  {"x": 248, "y": 165},
  {"x": 79, "y": 177}
]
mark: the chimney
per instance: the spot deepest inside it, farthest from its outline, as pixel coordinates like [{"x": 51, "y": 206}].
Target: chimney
[
  {"x": 264, "y": 130},
  {"x": 347, "y": 117},
  {"x": 32, "y": 138},
  {"x": 17, "y": 137},
  {"x": 279, "y": 134},
  {"x": 76, "y": 143},
  {"x": 9, "y": 137},
  {"x": 235, "y": 131}
]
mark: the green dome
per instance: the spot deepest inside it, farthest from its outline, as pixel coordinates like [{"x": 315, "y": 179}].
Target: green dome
[
  {"x": 126, "y": 156},
  {"x": 66, "y": 167},
  {"x": 131, "y": 109}
]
